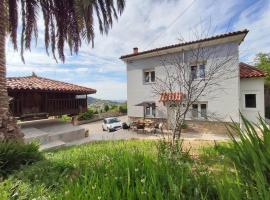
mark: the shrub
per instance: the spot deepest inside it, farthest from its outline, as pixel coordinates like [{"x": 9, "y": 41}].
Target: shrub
[
  {"x": 14, "y": 154},
  {"x": 86, "y": 115},
  {"x": 123, "y": 109},
  {"x": 106, "y": 108},
  {"x": 65, "y": 118}
]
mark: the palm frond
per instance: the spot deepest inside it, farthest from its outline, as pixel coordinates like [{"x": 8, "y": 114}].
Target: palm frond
[{"x": 65, "y": 22}]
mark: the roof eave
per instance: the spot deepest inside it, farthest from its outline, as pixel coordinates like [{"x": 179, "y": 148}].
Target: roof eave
[{"x": 237, "y": 37}]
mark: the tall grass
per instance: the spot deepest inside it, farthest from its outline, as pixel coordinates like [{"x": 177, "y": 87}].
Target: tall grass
[{"x": 249, "y": 159}]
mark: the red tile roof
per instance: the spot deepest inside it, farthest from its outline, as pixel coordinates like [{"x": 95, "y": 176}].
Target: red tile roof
[
  {"x": 187, "y": 43},
  {"x": 248, "y": 71},
  {"x": 35, "y": 83},
  {"x": 171, "y": 96}
]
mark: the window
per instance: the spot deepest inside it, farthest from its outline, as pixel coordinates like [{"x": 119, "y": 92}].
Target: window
[
  {"x": 199, "y": 111},
  {"x": 149, "y": 76},
  {"x": 150, "y": 110},
  {"x": 154, "y": 109},
  {"x": 147, "y": 111},
  {"x": 193, "y": 72},
  {"x": 202, "y": 71},
  {"x": 197, "y": 71},
  {"x": 250, "y": 100},
  {"x": 203, "y": 111},
  {"x": 195, "y": 110},
  {"x": 153, "y": 76}
]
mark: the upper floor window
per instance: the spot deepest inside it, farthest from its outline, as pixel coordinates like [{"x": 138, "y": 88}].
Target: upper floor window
[
  {"x": 197, "y": 71},
  {"x": 250, "y": 100},
  {"x": 202, "y": 71},
  {"x": 149, "y": 76},
  {"x": 193, "y": 72}
]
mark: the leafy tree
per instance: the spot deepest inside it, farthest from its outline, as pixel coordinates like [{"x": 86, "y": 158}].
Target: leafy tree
[
  {"x": 262, "y": 61},
  {"x": 106, "y": 108},
  {"x": 65, "y": 22}
]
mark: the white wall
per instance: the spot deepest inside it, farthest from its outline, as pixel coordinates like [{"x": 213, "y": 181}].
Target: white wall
[
  {"x": 223, "y": 100},
  {"x": 252, "y": 86}
]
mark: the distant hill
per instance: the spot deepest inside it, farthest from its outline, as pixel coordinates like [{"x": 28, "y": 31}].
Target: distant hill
[{"x": 100, "y": 102}]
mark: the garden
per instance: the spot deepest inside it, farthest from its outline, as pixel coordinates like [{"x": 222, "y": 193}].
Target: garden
[{"x": 239, "y": 169}]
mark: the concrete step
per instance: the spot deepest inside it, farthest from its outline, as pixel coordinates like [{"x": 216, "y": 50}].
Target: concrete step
[
  {"x": 68, "y": 135},
  {"x": 52, "y": 145},
  {"x": 35, "y": 135}
]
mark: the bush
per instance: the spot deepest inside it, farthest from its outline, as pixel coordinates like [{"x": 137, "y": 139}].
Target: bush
[
  {"x": 106, "y": 108},
  {"x": 65, "y": 118},
  {"x": 14, "y": 154},
  {"x": 123, "y": 109},
  {"x": 86, "y": 115}
]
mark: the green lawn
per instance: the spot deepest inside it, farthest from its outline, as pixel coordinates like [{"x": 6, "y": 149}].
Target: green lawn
[
  {"x": 127, "y": 170},
  {"x": 106, "y": 170}
]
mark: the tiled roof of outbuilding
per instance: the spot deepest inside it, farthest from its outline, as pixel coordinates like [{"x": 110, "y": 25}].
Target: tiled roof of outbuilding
[
  {"x": 248, "y": 71},
  {"x": 36, "y": 83}
]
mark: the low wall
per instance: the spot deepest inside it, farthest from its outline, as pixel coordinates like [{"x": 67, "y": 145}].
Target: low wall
[{"x": 97, "y": 117}]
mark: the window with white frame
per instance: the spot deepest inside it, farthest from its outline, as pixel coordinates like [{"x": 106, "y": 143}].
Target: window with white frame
[
  {"x": 193, "y": 72},
  {"x": 149, "y": 76},
  {"x": 250, "y": 100},
  {"x": 202, "y": 71},
  {"x": 150, "y": 110},
  {"x": 197, "y": 71},
  {"x": 199, "y": 111}
]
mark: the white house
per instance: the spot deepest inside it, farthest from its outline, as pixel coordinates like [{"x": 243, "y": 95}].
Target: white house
[{"x": 243, "y": 91}]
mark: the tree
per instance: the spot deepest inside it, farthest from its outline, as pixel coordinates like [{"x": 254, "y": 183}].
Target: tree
[
  {"x": 106, "y": 108},
  {"x": 65, "y": 21},
  {"x": 190, "y": 75},
  {"x": 262, "y": 61}
]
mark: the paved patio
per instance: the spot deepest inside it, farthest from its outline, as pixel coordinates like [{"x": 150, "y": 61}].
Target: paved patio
[{"x": 96, "y": 134}]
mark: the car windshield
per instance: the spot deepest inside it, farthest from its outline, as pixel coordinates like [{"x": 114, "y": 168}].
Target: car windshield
[{"x": 113, "y": 120}]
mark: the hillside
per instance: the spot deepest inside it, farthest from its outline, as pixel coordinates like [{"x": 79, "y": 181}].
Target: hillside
[{"x": 100, "y": 102}]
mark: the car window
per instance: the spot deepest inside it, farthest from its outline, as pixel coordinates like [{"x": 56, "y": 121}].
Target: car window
[
  {"x": 104, "y": 121},
  {"x": 113, "y": 120}
]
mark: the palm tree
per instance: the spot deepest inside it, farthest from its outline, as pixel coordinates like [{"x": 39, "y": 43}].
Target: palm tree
[{"x": 65, "y": 21}]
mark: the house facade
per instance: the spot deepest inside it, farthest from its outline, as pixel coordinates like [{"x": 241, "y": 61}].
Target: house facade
[{"x": 242, "y": 91}]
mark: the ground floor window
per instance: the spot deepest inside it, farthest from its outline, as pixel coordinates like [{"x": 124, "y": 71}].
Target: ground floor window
[
  {"x": 150, "y": 110},
  {"x": 250, "y": 100},
  {"x": 199, "y": 110}
]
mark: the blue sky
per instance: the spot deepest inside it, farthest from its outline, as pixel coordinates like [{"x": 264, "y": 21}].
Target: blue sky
[{"x": 147, "y": 24}]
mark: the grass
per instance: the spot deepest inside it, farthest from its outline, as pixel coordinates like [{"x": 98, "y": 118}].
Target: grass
[
  {"x": 150, "y": 170},
  {"x": 106, "y": 170}
]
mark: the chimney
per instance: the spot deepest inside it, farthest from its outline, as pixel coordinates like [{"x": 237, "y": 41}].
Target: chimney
[{"x": 135, "y": 50}]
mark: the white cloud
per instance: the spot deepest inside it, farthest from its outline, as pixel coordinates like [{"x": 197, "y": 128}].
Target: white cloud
[
  {"x": 107, "y": 89},
  {"x": 148, "y": 24}
]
